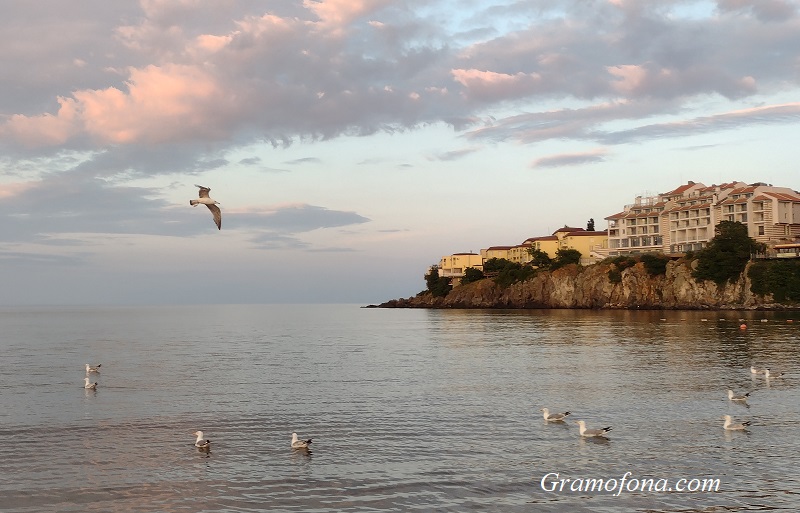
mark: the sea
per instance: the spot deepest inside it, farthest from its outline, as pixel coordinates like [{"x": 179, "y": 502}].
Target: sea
[{"x": 408, "y": 410}]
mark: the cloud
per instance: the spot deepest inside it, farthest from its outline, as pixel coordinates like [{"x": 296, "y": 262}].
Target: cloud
[
  {"x": 61, "y": 207},
  {"x": 765, "y": 10},
  {"x": 174, "y": 76},
  {"x": 304, "y": 160},
  {"x": 571, "y": 159},
  {"x": 24, "y": 259},
  {"x": 765, "y": 115},
  {"x": 453, "y": 155}
]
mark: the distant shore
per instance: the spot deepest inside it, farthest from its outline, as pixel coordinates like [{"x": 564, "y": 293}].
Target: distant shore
[{"x": 576, "y": 287}]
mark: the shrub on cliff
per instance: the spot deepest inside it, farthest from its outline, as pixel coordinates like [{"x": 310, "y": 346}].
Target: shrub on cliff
[
  {"x": 565, "y": 257},
  {"x": 727, "y": 253},
  {"x": 439, "y": 286},
  {"x": 781, "y": 278},
  {"x": 508, "y": 272},
  {"x": 539, "y": 259},
  {"x": 471, "y": 274},
  {"x": 654, "y": 263},
  {"x": 509, "y": 276}
]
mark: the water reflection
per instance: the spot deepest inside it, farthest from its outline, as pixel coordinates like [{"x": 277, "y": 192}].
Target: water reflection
[{"x": 444, "y": 401}]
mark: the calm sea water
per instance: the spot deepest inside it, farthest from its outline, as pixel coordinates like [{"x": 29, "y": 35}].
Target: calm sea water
[{"x": 410, "y": 410}]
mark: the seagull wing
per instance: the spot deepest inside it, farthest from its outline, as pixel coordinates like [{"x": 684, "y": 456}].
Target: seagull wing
[
  {"x": 203, "y": 191},
  {"x": 217, "y": 215}
]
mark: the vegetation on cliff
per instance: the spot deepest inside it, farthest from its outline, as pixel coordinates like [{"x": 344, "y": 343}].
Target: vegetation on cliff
[
  {"x": 727, "y": 254},
  {"x": 781, "y": 278},
  {"x": 654, "y": 263},
  {"x": 712, "y": 278},
  {"x": 439, "y": 286}
]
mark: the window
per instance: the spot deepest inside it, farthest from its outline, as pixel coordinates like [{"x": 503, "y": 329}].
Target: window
[{"x": 761, "y": 230}]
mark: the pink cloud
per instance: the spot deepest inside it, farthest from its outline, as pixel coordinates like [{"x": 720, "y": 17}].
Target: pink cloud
[
  {"x": 338, "y": 13},
  {"x": 491, "y": 85},
  {"x": 162, "y": 103}
]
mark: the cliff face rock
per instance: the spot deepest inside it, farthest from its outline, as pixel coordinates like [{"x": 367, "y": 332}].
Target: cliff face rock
[{"x": 590, "y": 287}]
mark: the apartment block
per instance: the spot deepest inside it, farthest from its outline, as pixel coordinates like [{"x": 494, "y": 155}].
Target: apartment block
[{"x": 684, "y": 219}]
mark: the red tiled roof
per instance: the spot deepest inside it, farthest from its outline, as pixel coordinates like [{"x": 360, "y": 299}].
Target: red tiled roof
[
  {"x": 616, "y": 216},
  {"x": 568, "y": 229},
  {"x": 731, "y": 201},
  {"x": 501, "y": 248},
  {"x": 681, "y": 189},
  {"x": 588, "y": 234},
  {"x": 783, "y": 197}
]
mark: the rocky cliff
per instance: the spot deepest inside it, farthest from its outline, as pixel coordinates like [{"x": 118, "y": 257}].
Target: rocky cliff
[{"x": 590, "y": 287}]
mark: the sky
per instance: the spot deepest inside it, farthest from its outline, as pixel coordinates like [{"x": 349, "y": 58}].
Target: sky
[{"x": 353, "y": 143}]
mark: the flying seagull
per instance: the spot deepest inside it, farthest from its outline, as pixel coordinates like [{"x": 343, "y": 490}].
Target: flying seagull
[
  {"x": 210, "y": 203},
  {"x": 299, "y": 444},
  {"x": 554, "y": 417},
  {"x": 591, "y": 432}
]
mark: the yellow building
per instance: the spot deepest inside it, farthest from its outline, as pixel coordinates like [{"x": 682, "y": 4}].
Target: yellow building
[
  {"x": 593, "y": 246},
  {"x": 496, "y": 252},
  {"x": 453, "y": 266}
]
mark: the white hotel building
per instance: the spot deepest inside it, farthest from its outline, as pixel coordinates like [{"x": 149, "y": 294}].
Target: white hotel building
[{"x": 684, "y": 219}]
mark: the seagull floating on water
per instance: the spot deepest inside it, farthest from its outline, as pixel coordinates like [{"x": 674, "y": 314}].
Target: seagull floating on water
[
  {"x": 768, "y": 374},
  {"x": 210, "y": 203},
  {"x": 753, "y": 370},
  {"x": 89, "y": 386},
  {"x": 730, "y": 426},
  {"x": 591, "y": 432},
  {"x": 299, "y": 444},
  {"x": 96, "y": 369},
  {"x": 734, "y": 397},
  {"x": 201, "y": 443},
  {"x": 554, "y": 417}
]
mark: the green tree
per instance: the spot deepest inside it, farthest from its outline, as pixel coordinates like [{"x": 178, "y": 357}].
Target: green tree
[
  {"x": 495, "y": 265},
  {"x": 566, "y": 257},
  {"x": 590, "y": 225},
  {"x": 437, "y": 285},
  {"x": 471, "y": 274},
  {"x": 655, "y": 263},
  {"x": 508, "y": 272},
  {"x": 727, "y": 253},
  {"x": 781, "y": 278},
  {"x": 539, "y": 258}
]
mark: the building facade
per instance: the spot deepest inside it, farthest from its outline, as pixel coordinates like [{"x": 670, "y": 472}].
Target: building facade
[
  {"x": 453, "y": 266},
  {"x": 685, "y": 218}
]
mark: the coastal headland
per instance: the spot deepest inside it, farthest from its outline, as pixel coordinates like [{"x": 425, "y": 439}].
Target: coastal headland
[{"x": 590, "y": 287}]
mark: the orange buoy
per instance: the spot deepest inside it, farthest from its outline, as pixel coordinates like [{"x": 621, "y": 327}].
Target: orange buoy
[{"x": 743, "y": 326}]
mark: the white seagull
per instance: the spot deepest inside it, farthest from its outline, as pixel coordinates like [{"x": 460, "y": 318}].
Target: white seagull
[
  {"x": 753, "y": 370},
  {"x": 554, "y": 417},
  {"x": 201, "y": 443},
  {"x": 768, "y": 375},
  {"x": 96, "y": 369},
  {"x": 299, "y": 444},
  {"x": 89, "y": 386},
  {"x": 210, "y": 203},
  {"x": 730, "y": 426},
  {"x": 734, "y": 397},
  {"x": 591, "y": 432}
]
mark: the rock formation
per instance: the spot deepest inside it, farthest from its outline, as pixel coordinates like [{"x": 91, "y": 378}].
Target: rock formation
[{"x": 590, "y": 287}]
